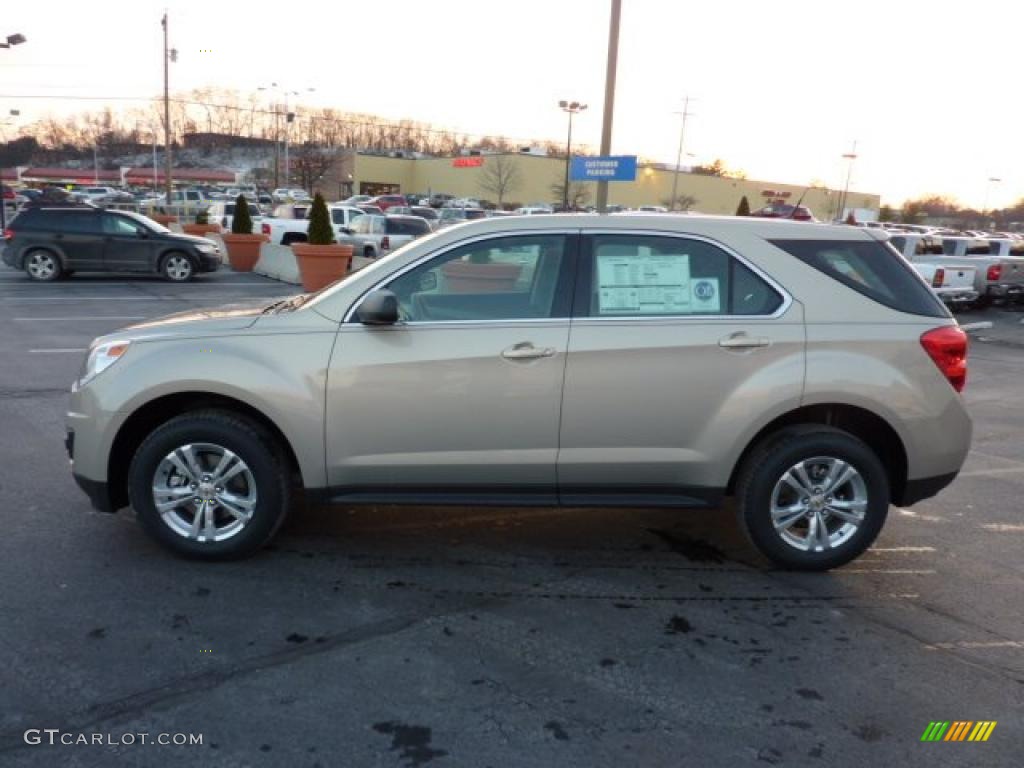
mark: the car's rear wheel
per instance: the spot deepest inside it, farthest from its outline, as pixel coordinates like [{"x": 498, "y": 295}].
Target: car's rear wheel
[
  {"x": 177, "y": 267},
  {"x": 210, "y": 485},
  {"x": 43, "y": 266},
  {"x": 812, "y": 498}
]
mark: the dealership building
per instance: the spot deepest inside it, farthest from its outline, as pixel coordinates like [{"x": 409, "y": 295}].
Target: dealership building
[{"x": 534, "y": 175}]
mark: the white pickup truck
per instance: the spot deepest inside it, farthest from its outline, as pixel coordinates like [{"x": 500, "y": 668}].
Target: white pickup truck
[
  {"x": 295, "y": 229},
  {"x": 952, "y": 280}
]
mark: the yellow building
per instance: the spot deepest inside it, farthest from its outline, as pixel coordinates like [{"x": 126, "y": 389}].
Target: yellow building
[{"x": 535, "y": 175}]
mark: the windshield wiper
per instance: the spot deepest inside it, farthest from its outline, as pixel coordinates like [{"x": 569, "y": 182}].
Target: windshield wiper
[{"x": 290, "y": 303}]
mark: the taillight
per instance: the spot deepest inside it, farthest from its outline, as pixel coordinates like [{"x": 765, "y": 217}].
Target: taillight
[
  {"x": 385, "y": 243},
  {"x": 8, "y": 234},
  {"x": 265, "y": 228},
  {"x": 947, "y": 347},
  {"x": 994, "y": 273},
  {"x": 940, "y": 275}
]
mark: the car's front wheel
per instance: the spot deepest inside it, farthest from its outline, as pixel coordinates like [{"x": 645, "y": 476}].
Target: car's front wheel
[
  {"x": 812, "y": 498},
  {"x": 177, "y": 267},
  {"x": 211, "y": 485}
]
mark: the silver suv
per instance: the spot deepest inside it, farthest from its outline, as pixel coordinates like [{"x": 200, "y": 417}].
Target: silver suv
[{"x": 805, "y": 370}]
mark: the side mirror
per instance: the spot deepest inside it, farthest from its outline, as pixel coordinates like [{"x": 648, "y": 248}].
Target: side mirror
[
  {"x": 378, "y": 308},
  {"x": 346, "y": 231},
  {"x": 142, "y": 232}
]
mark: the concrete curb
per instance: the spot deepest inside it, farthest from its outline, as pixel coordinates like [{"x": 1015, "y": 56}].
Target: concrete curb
[{"x": 278, "y": 262}]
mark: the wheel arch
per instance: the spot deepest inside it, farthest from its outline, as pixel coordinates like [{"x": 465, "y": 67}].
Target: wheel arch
[
  {"x": 152, "y": 414},
  {"x": 872, "y": 429},
  {"x": 56, "y": 250}
]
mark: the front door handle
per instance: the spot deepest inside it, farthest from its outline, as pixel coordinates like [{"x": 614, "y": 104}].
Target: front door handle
[
  {"x": 743, "y": 341},
  {"x": 524, "y": 350}
]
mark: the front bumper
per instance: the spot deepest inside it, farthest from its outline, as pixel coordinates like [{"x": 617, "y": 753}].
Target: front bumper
[
  {"x": 97, "y": 491},
  {"x": 209, "y": 262}
]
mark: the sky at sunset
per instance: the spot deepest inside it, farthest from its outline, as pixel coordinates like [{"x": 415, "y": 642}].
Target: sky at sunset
[{"x": 781, "y": 90}]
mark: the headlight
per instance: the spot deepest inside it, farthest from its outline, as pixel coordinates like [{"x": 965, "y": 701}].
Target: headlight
[
  {"x": 100, "y": 358},
  {"x": 203, "y": 248}
]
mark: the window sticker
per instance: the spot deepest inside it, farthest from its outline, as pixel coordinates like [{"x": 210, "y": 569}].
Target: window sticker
[
  {"x": 644, "y": 284},
  {"x": 706, "y": 296}
]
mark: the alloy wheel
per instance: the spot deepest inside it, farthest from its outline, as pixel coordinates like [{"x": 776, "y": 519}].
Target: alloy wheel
[
  {"x": 819, "y": 504},
  {"x": 204, "y": 492}
]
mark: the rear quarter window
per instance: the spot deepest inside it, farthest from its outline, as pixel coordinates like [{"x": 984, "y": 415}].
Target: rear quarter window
[
  {"x": 871, "y": 269},
  {"x": 407, "y": 226}
]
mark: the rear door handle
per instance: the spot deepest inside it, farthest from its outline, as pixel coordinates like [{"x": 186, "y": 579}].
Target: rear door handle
[
  {"x": 743, "y": 341},
  {"x": 524, "y": 350}
]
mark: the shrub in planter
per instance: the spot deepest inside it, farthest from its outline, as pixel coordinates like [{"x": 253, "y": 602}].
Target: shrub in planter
[
  {"x": 243, "y": 246},
  {"x": 202, "y": 225},
  {"x": 321, "y": 260}
]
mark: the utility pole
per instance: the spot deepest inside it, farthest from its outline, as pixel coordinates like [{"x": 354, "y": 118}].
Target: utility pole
[
  {"x": 609, "y": 99},
  {"x": 679, "y": 154},
  {"x": 167, "y": 117},
  {"x": 851, "y": 156}
]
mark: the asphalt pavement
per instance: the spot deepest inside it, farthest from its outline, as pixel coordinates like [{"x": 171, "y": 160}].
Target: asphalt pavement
[{"x": 490, "y": 637}]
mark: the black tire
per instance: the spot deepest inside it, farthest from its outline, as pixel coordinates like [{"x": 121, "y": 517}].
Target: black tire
[
  {"x": 42, "y": 265},
  {"x": 369, "y": 252},
  {"x": 242, "y": 436},
  {"x": 177, "y": 267},
  {"x": 772, "y": 459}
]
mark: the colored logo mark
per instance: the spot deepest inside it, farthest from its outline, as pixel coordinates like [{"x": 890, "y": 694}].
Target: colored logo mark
[
  {"x": 704, "y": 290},
  {"x": 958, "y": 730}
]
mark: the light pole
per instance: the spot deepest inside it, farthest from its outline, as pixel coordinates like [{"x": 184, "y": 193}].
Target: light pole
[
  {"x": 95, "y": 163},
  {"x": 15, "y": 39},
  {"x": 851, "y": 156},
  {"x": 572, "y": 108},
  {"x": 169, "y": 56},
  {"x": 609, "y": 97},
  {"x": 988, "y": 189},
  {"x": 289, "y": 118},
  {"x": 679, "y": 153}
]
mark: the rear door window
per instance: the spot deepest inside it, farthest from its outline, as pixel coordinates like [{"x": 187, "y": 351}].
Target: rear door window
[
  {"x": 652, "y": 276},
  {"x": 870, "y": 269}
]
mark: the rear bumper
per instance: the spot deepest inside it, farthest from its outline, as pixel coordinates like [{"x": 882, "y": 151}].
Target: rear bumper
[
  {"x": 1005, "y": 291},
  {"x": 923, "y": 488},
  {"x": 957, "y": 296}
]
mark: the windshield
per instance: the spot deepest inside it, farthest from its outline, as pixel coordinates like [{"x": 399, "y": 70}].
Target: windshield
[{"x": 145, "y": 221}]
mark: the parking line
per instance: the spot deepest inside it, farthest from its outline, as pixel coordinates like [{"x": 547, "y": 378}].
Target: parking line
[
  {"x": 84, "y": 317},
  {"x": 56, "y": 350}
]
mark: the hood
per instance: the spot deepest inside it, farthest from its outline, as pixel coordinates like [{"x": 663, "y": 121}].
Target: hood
[
  {"x": 194, "y": 239},
  {"x": 207, "y": 321}
]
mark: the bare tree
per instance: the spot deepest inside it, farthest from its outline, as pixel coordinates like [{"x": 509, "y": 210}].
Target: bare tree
[
  {"x": 579, "y": 194},
  {"x": 683, "y": 202},
  {"x": 500, "y": 176}
]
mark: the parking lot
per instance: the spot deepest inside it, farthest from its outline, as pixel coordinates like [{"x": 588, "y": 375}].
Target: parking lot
[{"x": 492, "y": 637}]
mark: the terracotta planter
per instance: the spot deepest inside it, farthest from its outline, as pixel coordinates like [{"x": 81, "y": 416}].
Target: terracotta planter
[
  {"x": 201, "y": 229},
  {"x": 163, "y": 218},
  {"x": 243, "y": 250},
  {"x": 469, "y": 277},
  {"x": 321, "y": 265}
]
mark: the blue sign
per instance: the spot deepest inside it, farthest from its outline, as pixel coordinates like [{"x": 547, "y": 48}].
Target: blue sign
[{"x": 610, "y": 168}]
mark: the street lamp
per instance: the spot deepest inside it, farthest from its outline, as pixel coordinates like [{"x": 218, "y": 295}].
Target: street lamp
[
  {"x": 572, "y": 108},
  {"x": 289, "y": 118},
  {"x": 988, "y": 189},
  {"x": 16, "y": 39}
]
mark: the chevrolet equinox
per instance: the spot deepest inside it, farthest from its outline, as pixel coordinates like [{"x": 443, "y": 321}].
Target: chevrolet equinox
[{"x": 805, "y": 370}]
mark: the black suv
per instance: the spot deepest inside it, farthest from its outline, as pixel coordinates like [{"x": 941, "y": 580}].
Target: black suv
[{"x": 53, "y": 242}]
